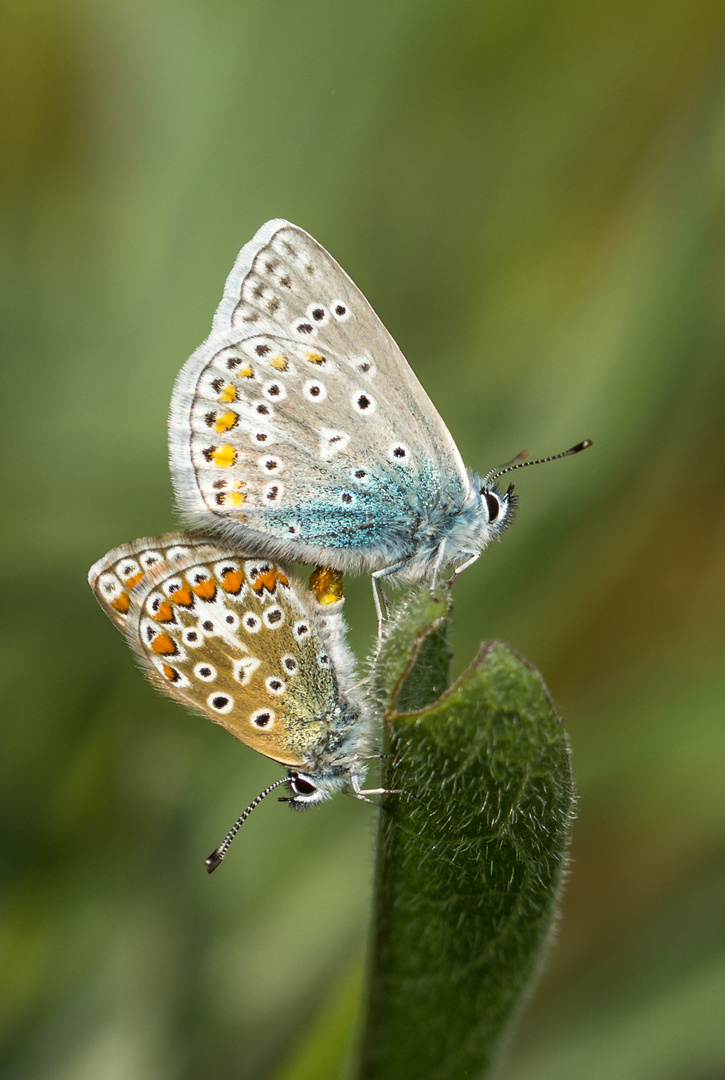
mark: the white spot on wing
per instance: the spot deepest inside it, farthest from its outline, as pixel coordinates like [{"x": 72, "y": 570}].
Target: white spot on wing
[
  {"x": 332, "y": 442},
  {"x": 363, "y": 403},
  {"x": 318, "y": 314},
  {"x": 273, "y": 493},
  {"x": 149, "y": 559},
  {"x": 274, "y": 390},
  {"x": 262, "y": 718},
  {"x": 205, "y": 672},
  {"x": 220, "y": 703},
  {"x": 270, "y": 464},
  {"x": 273, "y": 617},
  {"x": 314, "y": 390},
  {"x": 109, "y": 586},
  {"x": 244, "y": 669},
  {"x": 399, "y": 453}
]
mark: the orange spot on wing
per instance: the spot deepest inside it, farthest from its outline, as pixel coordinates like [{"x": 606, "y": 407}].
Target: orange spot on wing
[
  {"x": 228, "y": 394},
  {"x": 268, "y": 579},
  {"x": 282, "y": 578},
  {"x": 163, "y": 645},
  {"x": 279, "y": 362},
  {"x": 224, "y": 456},
  {"x": 122, "y": 603},
  {"x": 165, "y": 612},
  {"x": 171, "y": 673},
  {"x": 226, "y": 421},
  {"x": 132, "y": 582},
  {"x": 205, "y": 589},
  {"x": 182, "y": 597},
  {"x": 233, "y": 581}
]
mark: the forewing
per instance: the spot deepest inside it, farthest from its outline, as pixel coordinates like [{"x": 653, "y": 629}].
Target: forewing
[
  {"x": 299, "y": 418},
  {"x": 228, "y": 637}
]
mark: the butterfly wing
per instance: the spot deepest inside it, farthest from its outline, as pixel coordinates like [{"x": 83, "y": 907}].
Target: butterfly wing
[
  {"x": 299, "y": 425},
  {"x": 228, "y": 637}
]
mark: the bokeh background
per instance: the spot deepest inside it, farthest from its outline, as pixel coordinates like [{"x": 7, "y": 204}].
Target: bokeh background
[{"x": 531, "y": 195}]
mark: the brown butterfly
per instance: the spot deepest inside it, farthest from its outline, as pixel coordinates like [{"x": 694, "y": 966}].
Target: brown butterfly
[{"x": 233, "y": 638}]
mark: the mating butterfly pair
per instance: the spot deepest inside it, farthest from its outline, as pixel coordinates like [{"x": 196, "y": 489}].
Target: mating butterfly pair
[{"x": 297, "y": 431}]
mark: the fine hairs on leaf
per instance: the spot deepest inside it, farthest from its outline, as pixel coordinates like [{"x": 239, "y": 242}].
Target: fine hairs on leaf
[{"x": 470, "y": 856}]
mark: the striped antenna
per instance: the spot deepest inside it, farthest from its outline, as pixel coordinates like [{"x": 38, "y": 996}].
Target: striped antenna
[
  {"x": 520, "y": 462},
  {"x": 218, "y": 853}
]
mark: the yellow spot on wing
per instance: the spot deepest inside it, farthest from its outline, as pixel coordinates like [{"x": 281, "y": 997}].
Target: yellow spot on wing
[
  {"x": 224, "y": 456},
  {"x": 315, "y": 358},
  {"x": 234, "y": 498},
  {"x": 245, "y": 372},
  {"x": 228, "y": 394},
  {"x": 279, "y": 362},
  {"x": 226, "y": 421}
]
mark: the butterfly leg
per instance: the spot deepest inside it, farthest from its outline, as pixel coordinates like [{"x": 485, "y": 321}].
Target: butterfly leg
[
  {"x": 362, "y": 793},
  {"x": 377, "y": 592},
  {"x": 437, "y": 565},
  {"x": 474, "y": 556},
  {"x": 360, "y": 682}
]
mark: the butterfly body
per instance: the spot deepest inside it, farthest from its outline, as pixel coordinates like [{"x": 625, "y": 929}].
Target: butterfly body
[
  {"x": 234, "y": 639},
  {"x": 298, "y": 429}
]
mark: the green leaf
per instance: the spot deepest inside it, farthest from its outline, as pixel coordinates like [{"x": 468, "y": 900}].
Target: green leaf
[
  {"x": 470, "y": 856},
  {"x": 411, "y": 667}
]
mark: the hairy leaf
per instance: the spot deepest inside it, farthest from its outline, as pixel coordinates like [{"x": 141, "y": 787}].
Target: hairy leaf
[{"x": 470, "y": 854}]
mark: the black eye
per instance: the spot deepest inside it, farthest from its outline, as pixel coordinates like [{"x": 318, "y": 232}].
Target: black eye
[
  {"x": 302, "y": 787},
  {"x": 493, "y": 504}
]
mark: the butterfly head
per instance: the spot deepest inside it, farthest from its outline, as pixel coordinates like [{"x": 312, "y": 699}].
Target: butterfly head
[
  {"x": 497, "y": 507},
  {"x": 310, "y": 790},
  {"x": 336, "y": 767}
]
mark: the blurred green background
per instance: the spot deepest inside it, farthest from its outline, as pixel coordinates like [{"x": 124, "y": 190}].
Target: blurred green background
[{"x": 531, "y": 196}]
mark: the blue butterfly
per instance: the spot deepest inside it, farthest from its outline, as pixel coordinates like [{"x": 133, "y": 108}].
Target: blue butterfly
[{"x": 299, "y": 430}]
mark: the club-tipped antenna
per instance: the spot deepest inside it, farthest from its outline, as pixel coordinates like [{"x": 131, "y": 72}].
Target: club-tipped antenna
[
  {"x": 219, "y": 852},
  {"x": 520, "y": 461}
]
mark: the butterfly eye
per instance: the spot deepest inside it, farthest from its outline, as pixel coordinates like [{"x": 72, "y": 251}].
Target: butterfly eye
[
  {"x": 302, "y": 787},
  {"x": 493, "y": 505}
]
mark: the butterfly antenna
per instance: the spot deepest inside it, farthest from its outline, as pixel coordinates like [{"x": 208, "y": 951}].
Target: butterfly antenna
[
  {"x": 520, "y": 461},
  {"x": 218, "y": 853}
]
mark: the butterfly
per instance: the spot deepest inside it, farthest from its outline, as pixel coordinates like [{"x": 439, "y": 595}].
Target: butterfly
[
  {"x": 235, "y": 639},
  {"x": 298, "y": 429}
]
